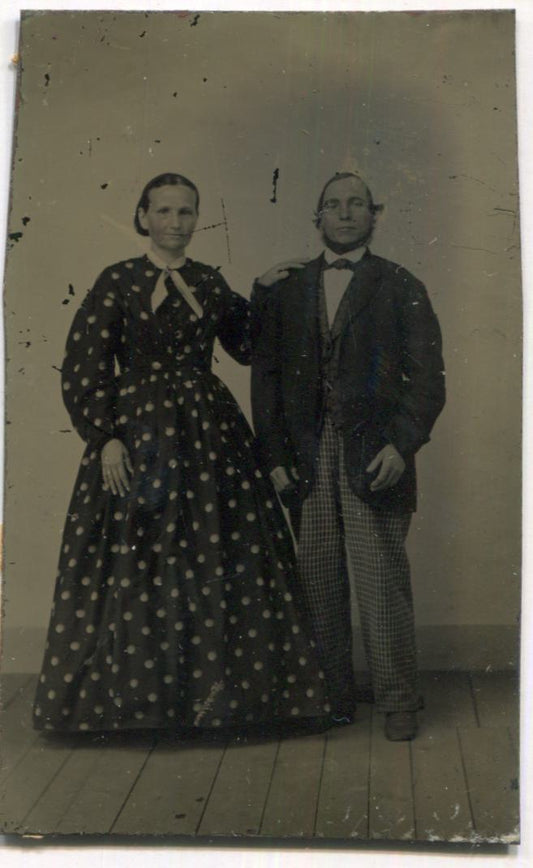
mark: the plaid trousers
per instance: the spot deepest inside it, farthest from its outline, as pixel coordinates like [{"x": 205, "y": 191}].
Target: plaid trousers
[{"x": 337, "y": 527}]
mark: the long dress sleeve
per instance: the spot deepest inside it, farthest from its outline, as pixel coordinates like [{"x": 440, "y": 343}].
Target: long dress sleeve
[
  {"x": 88, "y": 371},
  {"x": 234, "y": 329},
  {"x": 267, "y": 403}
]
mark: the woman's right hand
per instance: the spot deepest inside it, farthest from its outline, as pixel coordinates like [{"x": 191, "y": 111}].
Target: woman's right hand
[
  {"x": 116, "y": 466},
  {"x": 280, "y": 272}
]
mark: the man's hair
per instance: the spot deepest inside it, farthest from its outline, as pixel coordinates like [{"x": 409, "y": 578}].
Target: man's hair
[
  {"x": 168, "y": 179},
  {"x": 340, "y": 176}
]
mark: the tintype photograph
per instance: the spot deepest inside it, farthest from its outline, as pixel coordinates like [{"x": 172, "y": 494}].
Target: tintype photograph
[{"x": 263, "y": 440}]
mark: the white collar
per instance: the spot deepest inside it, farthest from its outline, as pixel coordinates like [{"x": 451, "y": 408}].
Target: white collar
[
  {"x": 165, "y": 266},
  {"x": 352, "y": 255}
]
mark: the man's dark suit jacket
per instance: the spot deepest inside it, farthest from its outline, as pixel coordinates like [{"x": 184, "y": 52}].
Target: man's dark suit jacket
[{"x": 390, "y": 374}]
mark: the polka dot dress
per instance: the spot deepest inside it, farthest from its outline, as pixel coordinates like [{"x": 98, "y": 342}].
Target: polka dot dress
[{"x": 175, "y": 604}]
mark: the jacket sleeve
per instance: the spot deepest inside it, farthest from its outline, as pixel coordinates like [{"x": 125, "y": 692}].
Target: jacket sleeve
[
  {"x": 234, "y": 328},
  {"x": 88, "y": 371},
  {"x": 423, "y": 393},
  {"x": 267, "y": 403}
]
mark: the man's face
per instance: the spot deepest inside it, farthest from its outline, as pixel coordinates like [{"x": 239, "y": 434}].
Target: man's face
[{"x": 346, "y": 220}]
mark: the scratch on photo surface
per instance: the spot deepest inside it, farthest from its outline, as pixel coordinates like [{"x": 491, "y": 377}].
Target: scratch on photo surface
[
  {"x": 208, "y": 703},
  {"x": 226, "y": 227}
]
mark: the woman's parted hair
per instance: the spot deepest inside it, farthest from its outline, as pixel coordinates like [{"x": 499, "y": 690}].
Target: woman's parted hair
[{"x": 169, "y": 179}]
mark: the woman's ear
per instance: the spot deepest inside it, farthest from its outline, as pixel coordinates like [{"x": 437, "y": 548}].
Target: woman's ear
[{"x": 141, "y": 216}]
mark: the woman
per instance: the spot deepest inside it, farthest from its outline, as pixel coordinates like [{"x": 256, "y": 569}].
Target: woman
[{"x": 171, "y": 605}]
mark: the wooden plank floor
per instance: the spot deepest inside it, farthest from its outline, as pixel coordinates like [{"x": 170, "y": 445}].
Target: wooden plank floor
[{"x": 458, "y": 781}]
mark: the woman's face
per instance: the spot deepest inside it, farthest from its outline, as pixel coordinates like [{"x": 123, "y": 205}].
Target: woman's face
[{"x": 170, "y": 219}]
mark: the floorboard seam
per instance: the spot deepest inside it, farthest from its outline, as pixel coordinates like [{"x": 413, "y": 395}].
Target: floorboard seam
[
  {"x": 369, "y": 787},
  {"x": 474, "y": 701},
  {"x": 211, "y": 788},
  {"x": 133, "y": 785},
  {"x": 467, "y": 785},
  {"x": 412, "y": 770},
  {"x": 47, "y": 787},
  {"x": 269, "y": 787},
  {"x": 321, "y": 776},
  {"x": 4, "y": 778}
]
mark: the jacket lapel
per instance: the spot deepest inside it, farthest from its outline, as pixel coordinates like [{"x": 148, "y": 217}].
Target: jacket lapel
[
  {"x": 307, "y": 304},
  {"x": 363, "y": 285}
]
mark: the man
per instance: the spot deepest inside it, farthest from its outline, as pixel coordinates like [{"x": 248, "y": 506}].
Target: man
[{"x": 347, "y": 382}]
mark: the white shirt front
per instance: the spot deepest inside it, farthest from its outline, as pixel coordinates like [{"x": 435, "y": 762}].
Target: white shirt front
[{"x": 336, "y": 280}]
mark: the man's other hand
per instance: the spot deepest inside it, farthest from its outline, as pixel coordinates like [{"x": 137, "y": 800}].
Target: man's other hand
[{"x": 391, "y": 466}]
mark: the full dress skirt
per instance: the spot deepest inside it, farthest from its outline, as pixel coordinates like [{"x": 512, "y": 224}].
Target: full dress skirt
[{"x": 175, "y": 605}]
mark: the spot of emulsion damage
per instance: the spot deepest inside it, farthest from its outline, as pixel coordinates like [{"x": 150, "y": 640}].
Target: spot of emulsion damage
[{"x": 275, "y": 177}]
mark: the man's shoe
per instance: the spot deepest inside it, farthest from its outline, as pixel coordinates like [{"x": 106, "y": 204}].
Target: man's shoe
[{"x": 400, "y": 725}]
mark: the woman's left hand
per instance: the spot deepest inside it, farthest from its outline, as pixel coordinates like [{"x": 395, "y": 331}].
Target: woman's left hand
[{"x": 116, "y": 466}]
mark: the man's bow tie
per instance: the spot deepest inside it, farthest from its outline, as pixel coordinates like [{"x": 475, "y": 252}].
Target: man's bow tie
[{"x": 342, "y": 263}]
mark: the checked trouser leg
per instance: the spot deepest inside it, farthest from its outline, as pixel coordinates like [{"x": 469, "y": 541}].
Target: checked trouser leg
[
  {"x": 375, "y": 543},
  {"x": 324, "y": 578},
  {"x": 336, "y": 523}
]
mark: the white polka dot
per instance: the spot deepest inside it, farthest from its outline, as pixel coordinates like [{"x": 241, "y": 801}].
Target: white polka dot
[{"x": 197, "y": 673}]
